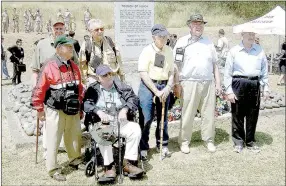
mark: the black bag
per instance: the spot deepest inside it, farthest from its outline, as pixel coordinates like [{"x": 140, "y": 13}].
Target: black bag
[
  {"x": 71, "y": 103},
  {"x": 21, "y": 67}
]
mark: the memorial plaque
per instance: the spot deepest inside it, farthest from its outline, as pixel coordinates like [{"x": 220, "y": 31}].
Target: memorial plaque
[{"x": 133, "y": 23}]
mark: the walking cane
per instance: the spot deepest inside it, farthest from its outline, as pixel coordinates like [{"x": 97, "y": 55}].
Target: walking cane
[
  {"x": 37, "y": 139},
  {"x": 162, "y": 129}
]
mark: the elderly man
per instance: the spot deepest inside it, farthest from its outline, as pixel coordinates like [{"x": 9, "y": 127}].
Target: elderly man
[
  {"x": 156, "y": 68},
  {"x": 44, "y": 50},
  {"x": 196, "y": 58},
  {"x": 108, "y": 90},
  {"x": 59, "y": 87},
  {"x": 245, "y": 76},
  {"x": 103, "y": 51}
]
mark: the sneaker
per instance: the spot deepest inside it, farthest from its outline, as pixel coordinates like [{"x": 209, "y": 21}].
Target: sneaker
[
  {"x": 59, "y": 177},
  {"x": 210, "y": 146},
  {"x": 185, "y": 148},
  {"x": 165, "y": 151},
  {"x": 144, "y": 155},
  {"x": 238, "y": 148},
  {"x": 254, "y": 148}
]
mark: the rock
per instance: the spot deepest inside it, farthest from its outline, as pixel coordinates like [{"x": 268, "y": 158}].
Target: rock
[
  {"x": 30, "y": 130},
  {"x": 262, "y": 106},
  {"x": 268, "y": 104},
  {"x": 25, "y": 125},
  {"x": 275, "y": 104},
  {"x": 24, "y": 108},
  {"x": 30, "y": 119},
  {"x": 16, "y": 108}
]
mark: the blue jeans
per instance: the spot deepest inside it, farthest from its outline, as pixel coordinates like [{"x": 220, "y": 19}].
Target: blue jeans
[
  {"x": 146, "y": 115},
  {"x": 4, "y": 68}
]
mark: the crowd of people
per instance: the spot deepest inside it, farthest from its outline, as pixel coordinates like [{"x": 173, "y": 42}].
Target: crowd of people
[
  {"x": 73, "y": 82},
  {"x": 34, "y": 22}
]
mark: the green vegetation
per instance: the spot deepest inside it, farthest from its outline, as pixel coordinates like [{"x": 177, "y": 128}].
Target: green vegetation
[{"x": 171, "y": 14}]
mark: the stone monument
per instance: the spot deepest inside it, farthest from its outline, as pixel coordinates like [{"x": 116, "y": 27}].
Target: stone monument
[{"x": 133, "y": 23}]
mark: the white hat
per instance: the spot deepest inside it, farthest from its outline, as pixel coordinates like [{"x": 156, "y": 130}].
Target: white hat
[{"x": 248, "y": 28}]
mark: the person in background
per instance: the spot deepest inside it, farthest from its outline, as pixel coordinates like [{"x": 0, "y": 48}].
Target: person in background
[
  {"x": 257, "y": 40},
  {"x": 222, "y": 47},
  {"x": 76, "y": 43},
  {"x": 16, "y": 58},
  {"x": 4, "y": 60},
  {"x": 282, "y": 64}
]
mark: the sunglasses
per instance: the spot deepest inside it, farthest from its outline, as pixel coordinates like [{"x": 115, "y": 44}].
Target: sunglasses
[{"x": 97, "y": 29}]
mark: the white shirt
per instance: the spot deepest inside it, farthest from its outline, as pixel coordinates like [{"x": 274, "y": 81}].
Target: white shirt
[
  {"x": 199, "y": 59},
  {"x": 241, "y": 62},
  {"x": 223, "y": 46}
]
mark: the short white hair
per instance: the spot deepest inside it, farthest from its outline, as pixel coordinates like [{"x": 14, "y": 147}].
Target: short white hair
[{"x": 94, "y": 22}]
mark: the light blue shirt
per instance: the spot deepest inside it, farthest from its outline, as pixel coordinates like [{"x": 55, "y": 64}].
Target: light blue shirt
[
  {"x": 110, "y": 96},
  {"x": 241, "y": 62}
]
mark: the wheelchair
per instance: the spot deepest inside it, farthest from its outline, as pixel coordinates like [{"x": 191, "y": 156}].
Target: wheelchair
[{"x": 93, "y": 158}]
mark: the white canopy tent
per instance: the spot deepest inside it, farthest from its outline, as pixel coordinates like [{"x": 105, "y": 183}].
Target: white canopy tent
[{"x": 272, "y": 23}]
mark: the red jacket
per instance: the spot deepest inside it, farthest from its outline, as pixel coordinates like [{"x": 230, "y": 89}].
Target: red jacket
[{"x": 50, "y": 81}]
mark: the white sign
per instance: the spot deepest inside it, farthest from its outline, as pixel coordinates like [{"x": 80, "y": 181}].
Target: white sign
[{"x": 133, "y": 23}]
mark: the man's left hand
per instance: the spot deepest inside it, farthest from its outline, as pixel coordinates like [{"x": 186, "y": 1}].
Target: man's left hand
[{"x": 122, "y": 116}]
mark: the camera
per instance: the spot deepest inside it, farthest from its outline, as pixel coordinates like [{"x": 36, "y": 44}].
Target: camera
[
  {"x": 179, "y": 57},
  {"x": 71, "y": 100}
]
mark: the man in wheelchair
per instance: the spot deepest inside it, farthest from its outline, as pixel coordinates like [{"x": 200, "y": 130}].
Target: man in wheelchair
[{"x": 106, "y": 91}]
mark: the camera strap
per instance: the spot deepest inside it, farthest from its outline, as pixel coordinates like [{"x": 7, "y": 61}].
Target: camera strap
[{"x": 62, "y": 76}]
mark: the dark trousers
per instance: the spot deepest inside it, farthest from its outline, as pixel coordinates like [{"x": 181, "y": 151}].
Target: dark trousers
[
  {"x": 146, "y": 115},
  {"x": 247, "y": 106},
  {"x": 16, "y": 74}
]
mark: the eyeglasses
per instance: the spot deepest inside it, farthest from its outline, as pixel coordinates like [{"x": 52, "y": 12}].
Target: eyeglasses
[{"x": 97, "y": 29}]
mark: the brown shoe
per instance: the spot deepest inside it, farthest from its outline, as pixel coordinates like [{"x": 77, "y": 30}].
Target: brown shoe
[
  {"x": 131, "y": 170},
  {"x": 59, "y": 177}
]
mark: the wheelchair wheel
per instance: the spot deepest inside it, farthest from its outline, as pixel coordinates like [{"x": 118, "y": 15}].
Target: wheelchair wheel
[{"x": 90, "y": 168}]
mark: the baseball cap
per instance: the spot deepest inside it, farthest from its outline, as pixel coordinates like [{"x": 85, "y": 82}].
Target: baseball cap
[
  {"x": 159, "y": 30},
  {"x": 196, "y": 17},
  {"x": 58, "y": 22},
  {"x": 62, "y": 40},
  {"x": 101, "y": 70}
]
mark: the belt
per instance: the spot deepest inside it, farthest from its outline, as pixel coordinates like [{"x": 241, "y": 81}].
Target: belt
[
  {"x": 247, "y": 77},
  {"x": 160, "y": 82}
]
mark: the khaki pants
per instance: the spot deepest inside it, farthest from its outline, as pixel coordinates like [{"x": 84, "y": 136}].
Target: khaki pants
[
  {"x": 132, "y": 133},
  {"x": 197, "y": 95},
  {"x": 57, "y": 125}
]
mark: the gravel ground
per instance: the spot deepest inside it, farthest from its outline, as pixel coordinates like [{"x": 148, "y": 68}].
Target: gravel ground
[{"x": 197, "y": 168}]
